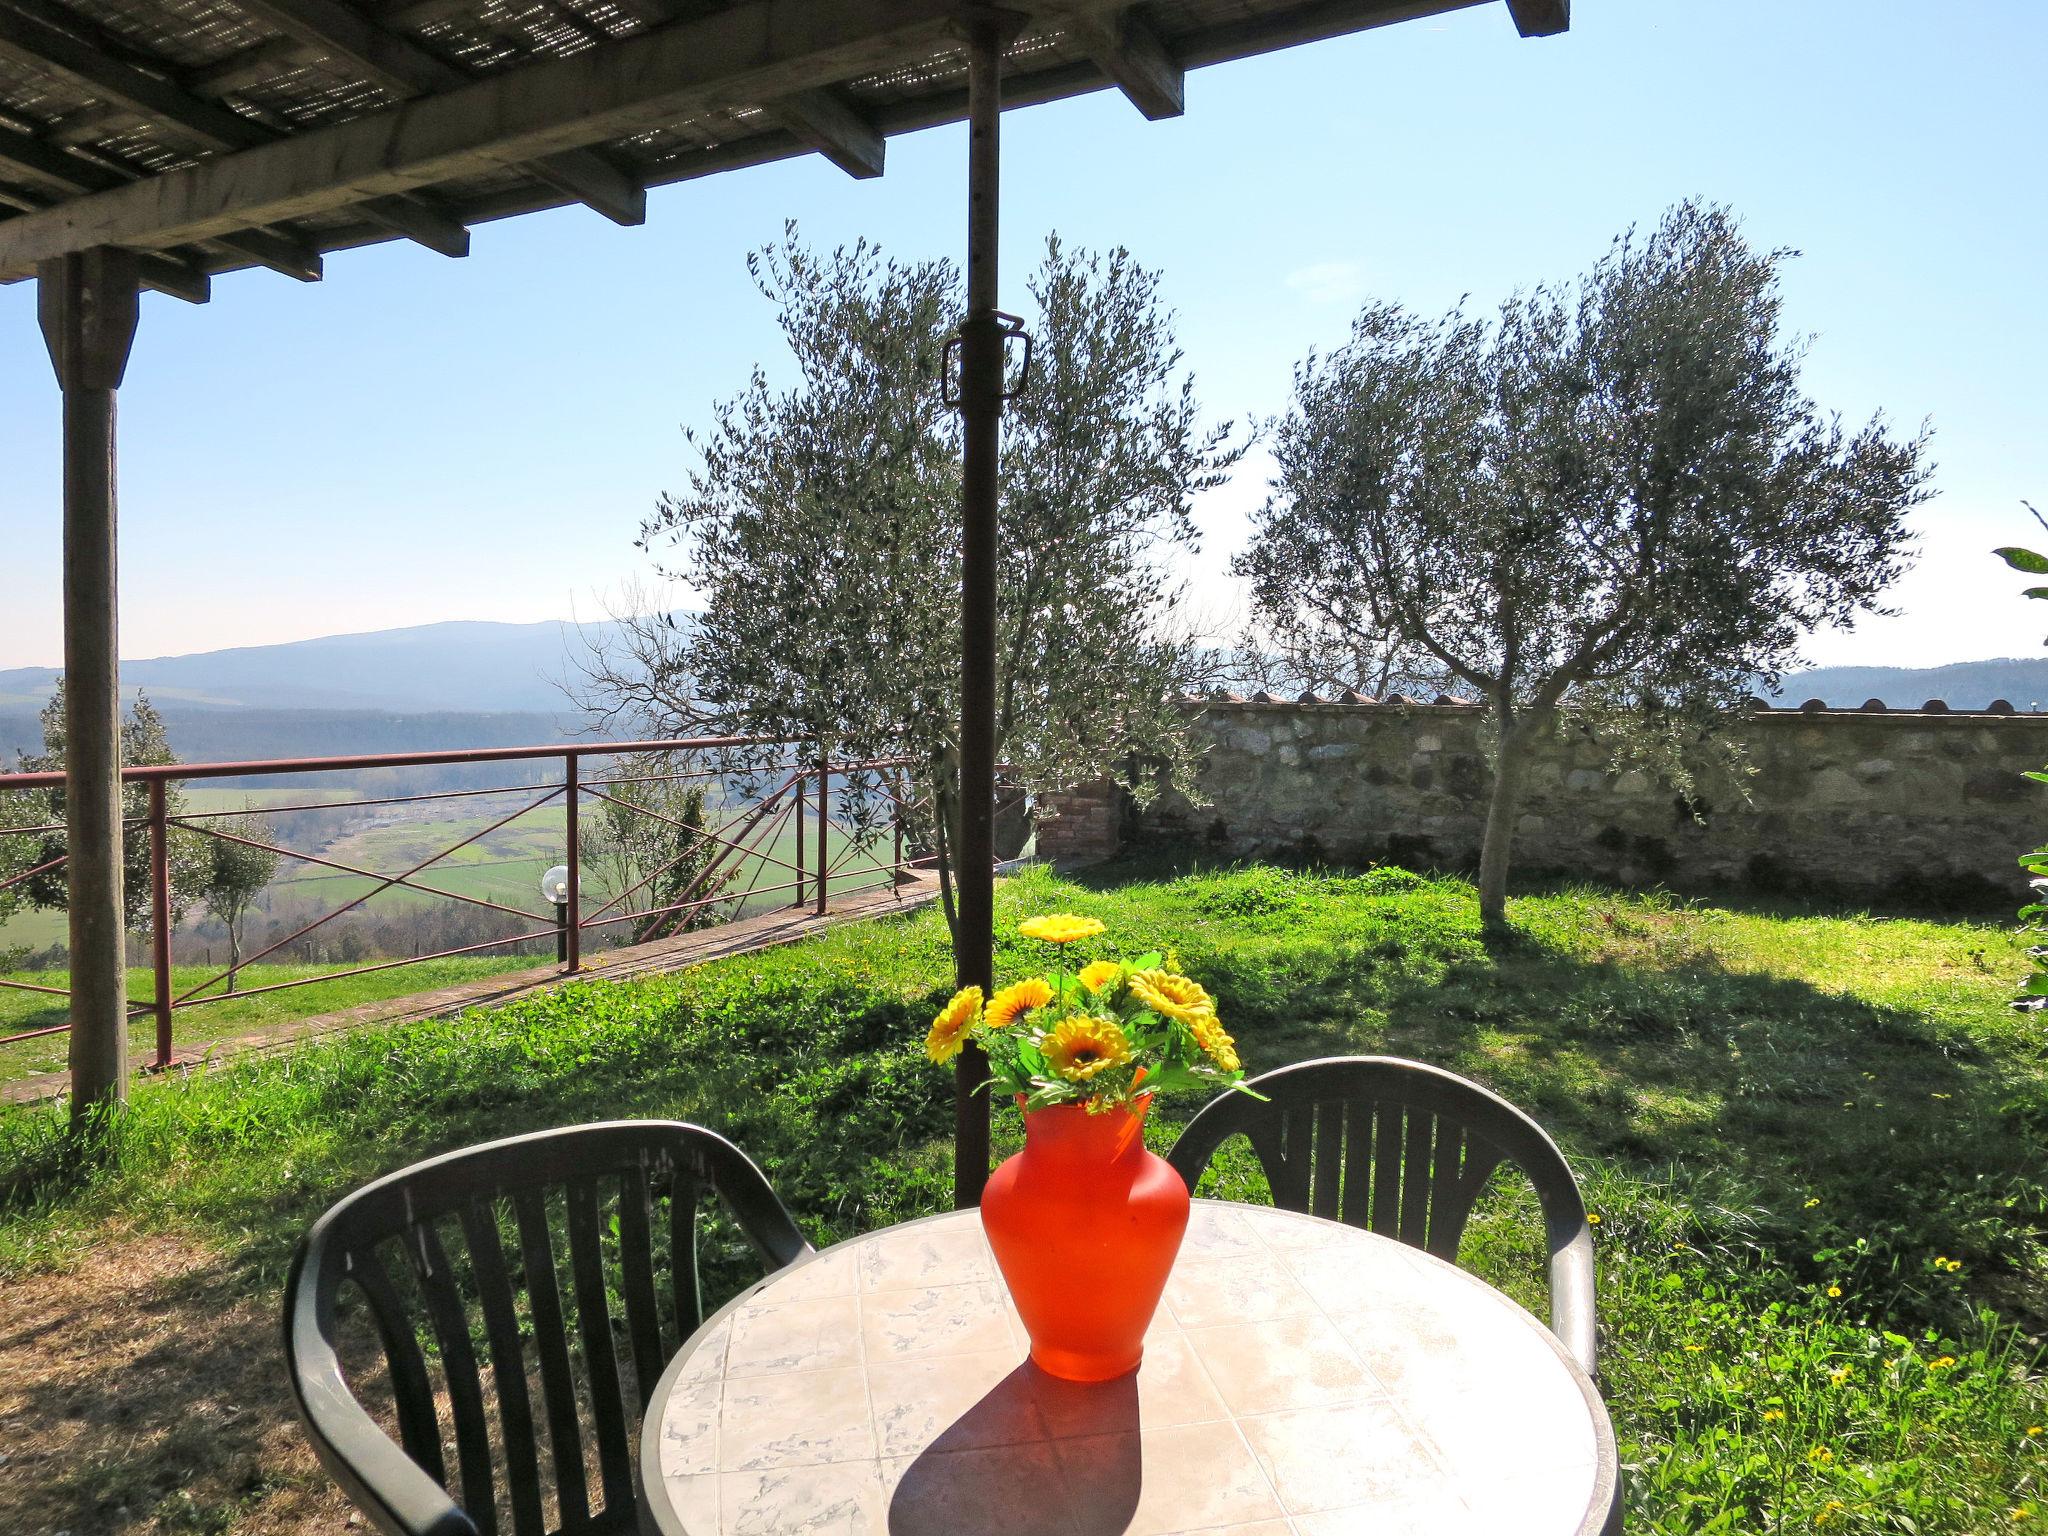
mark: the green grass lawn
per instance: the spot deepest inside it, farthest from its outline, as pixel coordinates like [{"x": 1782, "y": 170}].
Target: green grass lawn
[{"x": 1817, "y": 1145}]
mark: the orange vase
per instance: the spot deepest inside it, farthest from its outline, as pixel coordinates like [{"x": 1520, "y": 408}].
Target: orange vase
[{"x": 1085, "y": 1223}]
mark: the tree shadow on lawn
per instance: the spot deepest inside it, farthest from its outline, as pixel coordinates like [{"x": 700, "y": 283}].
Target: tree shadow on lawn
[{"x": 1794, "y": 1119}]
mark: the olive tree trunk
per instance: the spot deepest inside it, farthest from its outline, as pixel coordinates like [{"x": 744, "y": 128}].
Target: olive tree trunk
[{"x": 1511, "y": 764}]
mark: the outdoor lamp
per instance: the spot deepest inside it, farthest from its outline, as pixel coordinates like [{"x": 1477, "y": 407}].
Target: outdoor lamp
[{"x": 554, "y": 886}]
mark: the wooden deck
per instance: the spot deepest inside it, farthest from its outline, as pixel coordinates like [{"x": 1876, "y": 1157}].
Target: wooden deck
[{"x": 782, "y": 926}]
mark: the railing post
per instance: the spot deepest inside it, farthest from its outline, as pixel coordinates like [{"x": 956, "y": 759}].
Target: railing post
[
  {"x": 802, "y": 798},
  {"x": 160, "y": 916},
  {"x": 574, "y": 934},
  {"x": 824, "y": 815}
]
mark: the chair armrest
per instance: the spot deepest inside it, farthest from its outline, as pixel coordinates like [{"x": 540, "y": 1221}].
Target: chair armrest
[{"x": 1572, "y": 1316}]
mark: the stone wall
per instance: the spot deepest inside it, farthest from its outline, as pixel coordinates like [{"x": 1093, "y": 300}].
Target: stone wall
[{"x": 1916, "y": 804}]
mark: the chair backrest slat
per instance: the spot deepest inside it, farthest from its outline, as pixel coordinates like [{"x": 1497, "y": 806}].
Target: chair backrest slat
[
  {"x": 419, "y": 1430},
  {"x": 1356, "y": 1206},
  {"x": 1446, "y": 1220},
  {"x": 636, "y": 1261},
  {"x": 551, "y": 1338},
  {"x": 436, "y": 1278},
  {"x": 1415, "y": 1178},
  {"x": 600, "y": 1357},
  {"x": 508, "y": 1365},
  {"x": 1386, "y": 1166},
  {"x": 684, "y": 1274},
  {"x": 595, "y": 1188},
  {"x": 1327, "y": 1177}
]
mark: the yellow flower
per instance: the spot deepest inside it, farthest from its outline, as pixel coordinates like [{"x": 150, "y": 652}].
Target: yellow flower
[
  {"x": 949, "y": 1030},
  {"x": 1820, "y": 1455},
  {"x": 1176, "y": 997},
  {"x": 1841, "y": 1373},
  {"x": 1008, "y": 1005},
  {"x": 1942, "y": 1363},
  {"x": 1830, "y": 1512},
  {"x": 1952, "y": 1265},
  {"x": 2033, "y": 1430},
  {"x": 1098, "y": 974},
  {"x": 1834, "y": 1290},
  {"x": 1693, "y": 1349},
  {"x": 1812, "y": 1203},
  {"x": 1215, "y": 1044},
  {"x": 2020, "y": 1512},
  {"x": 1060, "y": 928},
  {"x": 1080, "y": 1047},
  {"x": 1593, "y": 1218},
  {"x": 1772, "y": 1415}
]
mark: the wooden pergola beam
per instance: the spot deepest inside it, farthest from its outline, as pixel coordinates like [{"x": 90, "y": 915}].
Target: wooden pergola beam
[
  {"x": 827, "y": 124},
  {"x": 1127, "y": 50},
  {"x": 763, "y": 51},
  {"x": 1541, "y": 18},
  {"x": 406, "y": 71}
]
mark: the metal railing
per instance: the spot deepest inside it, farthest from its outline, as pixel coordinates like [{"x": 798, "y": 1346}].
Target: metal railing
[{"x": 775, "y": 838}]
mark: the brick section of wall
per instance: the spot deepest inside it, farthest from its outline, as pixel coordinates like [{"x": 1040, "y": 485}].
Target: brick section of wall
[
  {"x": 1913, "y": 804},
  {"x": 1081, "y": 826}
]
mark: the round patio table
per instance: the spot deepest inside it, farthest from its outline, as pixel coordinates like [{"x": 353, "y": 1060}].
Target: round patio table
[{"x": 1301, "y": 1377}]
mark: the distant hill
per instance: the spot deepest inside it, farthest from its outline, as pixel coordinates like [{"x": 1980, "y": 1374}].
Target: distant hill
[
  {"x": 1962, "y": 684},
  {"x": 457, "y": 666}
]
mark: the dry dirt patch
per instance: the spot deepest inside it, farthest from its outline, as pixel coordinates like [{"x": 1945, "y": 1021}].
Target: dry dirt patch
[{"x": 142, "y": 1390}]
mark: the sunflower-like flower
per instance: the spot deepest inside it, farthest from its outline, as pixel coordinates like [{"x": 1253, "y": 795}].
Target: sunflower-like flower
[
  {"x": 1175, "y": 997},
  {"x": 1215, "y": 1044},
  {"x": 949, "y": 1030},
  {"x": 1080, "y": 1047},
  {"x": 1013, "y": 1002},
  {"x": 1098, "y": 974},
  {"x": 1060, "y": 927}
]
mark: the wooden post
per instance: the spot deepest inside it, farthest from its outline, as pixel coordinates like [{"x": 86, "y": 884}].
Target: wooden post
[
  {"x": 981, "y": 425},
  {"x": 87, "y": 303}
]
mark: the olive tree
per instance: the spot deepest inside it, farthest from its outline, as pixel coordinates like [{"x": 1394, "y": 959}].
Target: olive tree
[
  {"x": 1612, "y": 495},
  {"x": 821, "y": 534},
  {"x": 144, "y": 743},
  {"x": 236, "y": 871}
]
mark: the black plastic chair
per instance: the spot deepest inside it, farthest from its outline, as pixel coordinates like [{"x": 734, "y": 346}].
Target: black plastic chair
[
  {"x": 1403, "y": 1149},
  {"x": 603, "y": 1185}
]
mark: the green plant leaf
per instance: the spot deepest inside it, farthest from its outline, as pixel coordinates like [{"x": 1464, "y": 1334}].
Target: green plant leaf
[{"x": 2023, "y": 559}]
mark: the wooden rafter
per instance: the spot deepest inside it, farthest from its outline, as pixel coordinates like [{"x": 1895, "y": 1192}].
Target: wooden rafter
[
  {"x": 1127, "y": 50},
  {"x": 46, "y": 38},
  {"x": 824, "y": 121},
  {"x": 1541, "y": 18},
  {"x": 404, "y": 70}
]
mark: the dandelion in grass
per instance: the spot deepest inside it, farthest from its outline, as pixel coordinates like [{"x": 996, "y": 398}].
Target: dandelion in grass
[
  {"x": 1060, "y": 927},
  {"x": 1693, "y": 1349},
  {"x": 1829, "y": 1513},
  {"x": 1821, "y": 1456},
  {"x": 1841, "y": 1374},
  {"x": 2033, "y": 1431},
  {"x": 1593, "y": 1218},
  {"x": 2020, "y": 1512},
  {"x": 1835, "y": 1292},
  {"x": 1774, "y": 1415},
  {"x": 1815, "y": 1200},
  {"x": 1942, "y": 1363}
]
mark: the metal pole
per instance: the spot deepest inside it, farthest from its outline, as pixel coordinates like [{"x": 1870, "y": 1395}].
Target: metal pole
[
  {"x": 87, "y": 305},
  {"x": 803, "y": 799},
  {"x": 160, "y": 916},
  {"x": 824, "y": 811},
  {"x": 981, "y": 413},
  {"x": 572, "y": 910}
]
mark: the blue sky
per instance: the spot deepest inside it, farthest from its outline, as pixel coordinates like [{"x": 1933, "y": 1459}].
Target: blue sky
[{"x": 417, "y": 439}]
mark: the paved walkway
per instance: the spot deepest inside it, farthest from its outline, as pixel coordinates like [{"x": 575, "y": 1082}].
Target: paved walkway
[{"x": 782, "y": 926}]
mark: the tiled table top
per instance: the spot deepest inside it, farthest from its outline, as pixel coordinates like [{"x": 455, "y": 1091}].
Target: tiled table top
[{"x": 1301, "y": 1377}]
